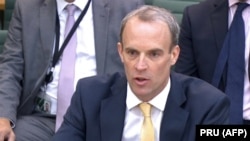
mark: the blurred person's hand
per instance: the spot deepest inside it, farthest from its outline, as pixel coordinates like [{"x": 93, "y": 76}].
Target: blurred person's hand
[{"x": 6, "y": 132}]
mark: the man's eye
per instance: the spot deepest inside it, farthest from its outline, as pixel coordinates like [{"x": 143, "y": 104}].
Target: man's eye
[
  {"x": 154, "y": 54},
  {"x": 131, "y": 52}
]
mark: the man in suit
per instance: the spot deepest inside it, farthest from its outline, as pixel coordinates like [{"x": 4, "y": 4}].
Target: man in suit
[
  {"x": 28, "y": 54},
  {"x": 203, "y": 32},
  {"x": 107, "y": 107}
]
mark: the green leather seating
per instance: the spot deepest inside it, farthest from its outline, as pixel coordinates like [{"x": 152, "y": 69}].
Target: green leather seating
[
  {"x": 3, "y": 34},
  {"x": 175, "y": 6},
  {"x": 1, "y": 19},
  {"x": 9, "y": 6}
]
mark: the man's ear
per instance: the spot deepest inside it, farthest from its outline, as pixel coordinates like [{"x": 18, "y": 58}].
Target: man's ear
[
  {"x": 120, "y": 50},
  {"x": 175, "y": 54}
]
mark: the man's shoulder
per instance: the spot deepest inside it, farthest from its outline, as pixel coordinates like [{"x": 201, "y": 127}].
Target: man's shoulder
[
  {"x": 195, "y": 86},
  {"x": 30, "y": 2},
  {"x": 25, "y": 6},
  {"x": 97, "y": 87},
  {"x": 199, "y": 93},
  {"x": 205, "y": 103},
  {"x": 206, "y": 6}
]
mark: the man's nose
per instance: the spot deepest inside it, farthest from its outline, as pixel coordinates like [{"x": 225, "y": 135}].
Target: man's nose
[{"x": 141, "y": 63}]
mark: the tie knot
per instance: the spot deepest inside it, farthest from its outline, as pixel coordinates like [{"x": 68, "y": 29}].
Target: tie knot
[
  {"x": 241, "y": 7},
  {"x": 71, "y": 8},
  {"x": 145, "y": 108}
]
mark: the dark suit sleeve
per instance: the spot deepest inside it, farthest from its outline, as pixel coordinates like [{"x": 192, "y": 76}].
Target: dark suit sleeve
[
  {"x": 73, "y": 126},
  {"x": 218, "y": 113},
  {"x": 186, "y": 62}
]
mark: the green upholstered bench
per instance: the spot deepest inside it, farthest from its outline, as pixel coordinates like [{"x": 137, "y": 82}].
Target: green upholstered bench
[
  {"x": 9, "y": 7},
  {"x": 175, "y": 6},
  {"x": 3, "y": 34}
]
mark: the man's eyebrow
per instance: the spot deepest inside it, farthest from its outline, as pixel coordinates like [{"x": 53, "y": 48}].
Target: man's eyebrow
[
  {"x": 155, "y": 50},
  {"x": 130, "y": 48}
]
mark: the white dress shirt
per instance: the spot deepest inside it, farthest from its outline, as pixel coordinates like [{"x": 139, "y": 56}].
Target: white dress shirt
[
  {"x": 85, "y": 61},
  {"x": 134, "y": 117}
]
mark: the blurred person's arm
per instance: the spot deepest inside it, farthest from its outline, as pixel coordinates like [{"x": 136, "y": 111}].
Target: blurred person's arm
[{"x": 11, "y": 75}]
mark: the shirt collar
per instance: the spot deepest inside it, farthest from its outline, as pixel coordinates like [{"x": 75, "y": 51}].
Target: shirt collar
[
  {"x": 233, "y": 2},
  {"x": 61, "y": 4},
  {"x": 158, "y": 102}
]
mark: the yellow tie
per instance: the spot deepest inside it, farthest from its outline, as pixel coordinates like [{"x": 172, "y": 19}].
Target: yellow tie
[{"x": 147, "y": 131}]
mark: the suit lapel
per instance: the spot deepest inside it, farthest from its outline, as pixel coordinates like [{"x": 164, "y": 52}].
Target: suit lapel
[
  {"x": 47, "y": 23},
  {"x": 114, "y": 106},
  {"x": 47, "y": 26},
  {"x": 175, "y": 117},
  {"x": 220, "y": 24},
  {"x": 101, "y": 18}
]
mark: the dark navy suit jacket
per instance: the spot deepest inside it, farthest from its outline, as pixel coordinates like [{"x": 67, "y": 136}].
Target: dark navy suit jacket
[
  {"x": 97, "y": 109},
  {"x": 203, "y": 30}
]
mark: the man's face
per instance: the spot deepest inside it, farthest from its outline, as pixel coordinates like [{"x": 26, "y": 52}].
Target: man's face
[{"x": 145, "y": 53}]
